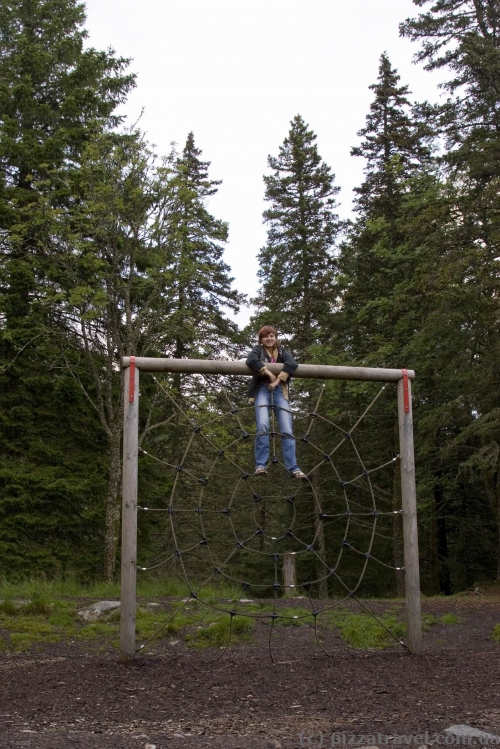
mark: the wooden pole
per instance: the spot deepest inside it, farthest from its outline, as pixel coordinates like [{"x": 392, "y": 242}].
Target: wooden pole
[
  {"x": 129, "y": 514},
  {"x": 409, "y": 502},
  {"x": 314, "y": 371}
]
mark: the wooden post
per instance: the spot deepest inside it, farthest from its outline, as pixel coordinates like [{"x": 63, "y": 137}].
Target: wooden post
[
  {"x": 409, "y": 502},
  {"x": 315, "y": 371},
  {"x": 129, "y": 513},
  {"x": 289, "y": 575}
]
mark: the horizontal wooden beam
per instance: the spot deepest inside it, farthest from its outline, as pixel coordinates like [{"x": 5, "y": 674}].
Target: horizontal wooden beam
[{"x": 313, "y": 371}]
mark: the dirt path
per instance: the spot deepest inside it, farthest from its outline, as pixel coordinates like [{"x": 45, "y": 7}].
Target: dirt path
[{"x": 176, "y": 697}]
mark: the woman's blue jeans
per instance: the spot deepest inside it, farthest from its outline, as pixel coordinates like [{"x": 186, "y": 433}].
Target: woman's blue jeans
[{"x": 265, "y": 400}]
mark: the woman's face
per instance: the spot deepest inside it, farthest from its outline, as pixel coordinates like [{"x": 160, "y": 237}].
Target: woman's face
[{"x": 269, "y": 340}]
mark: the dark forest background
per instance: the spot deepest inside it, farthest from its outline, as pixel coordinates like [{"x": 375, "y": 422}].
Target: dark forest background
[{"x": 108, "y": 249}]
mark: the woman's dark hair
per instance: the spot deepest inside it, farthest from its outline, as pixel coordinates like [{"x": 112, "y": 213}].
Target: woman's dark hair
[{"x": 266, "y": 330}]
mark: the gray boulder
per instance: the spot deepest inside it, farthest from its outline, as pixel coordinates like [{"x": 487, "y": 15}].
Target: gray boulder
[{"x": 98, "y": 610}]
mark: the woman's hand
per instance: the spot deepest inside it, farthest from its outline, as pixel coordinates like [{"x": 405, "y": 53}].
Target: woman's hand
[
  {"x": 272, "y": 377},
  {"x": 273, "y": 385}
]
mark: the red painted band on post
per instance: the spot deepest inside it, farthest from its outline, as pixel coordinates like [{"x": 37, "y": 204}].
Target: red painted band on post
[
  {"x": 131, "y": 388},
  {"x": 406, "y": 392}
]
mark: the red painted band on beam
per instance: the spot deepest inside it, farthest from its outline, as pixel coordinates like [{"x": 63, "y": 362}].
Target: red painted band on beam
[
  {"x": 131, "y": 388},
  {"x": 406, "y": 392}
]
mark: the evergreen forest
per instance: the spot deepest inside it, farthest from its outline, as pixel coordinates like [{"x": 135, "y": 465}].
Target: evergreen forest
[{"x": 109, "y": 249}]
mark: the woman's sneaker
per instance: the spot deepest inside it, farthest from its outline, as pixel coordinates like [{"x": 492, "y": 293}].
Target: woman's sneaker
[
  {"x": 298, "y": 474},
  {"x": 260, "y": 471}
]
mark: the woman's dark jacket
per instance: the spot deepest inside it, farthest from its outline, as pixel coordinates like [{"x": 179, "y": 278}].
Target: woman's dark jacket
[{"x": 257, "y": 360}]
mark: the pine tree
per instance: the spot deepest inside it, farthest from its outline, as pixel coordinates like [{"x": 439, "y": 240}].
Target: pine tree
[
  {"x": 297, "y": 265},
  {"x": 373, "y": 259},
  {"x": 393, "y": 145},
  {"x": 54, "y": 95},
  {"x": 144, "y": 277},
  {"x": 201, "y": 288},
  {"x": 470, "y": 117},
  {"x": 470, "y": 122}
]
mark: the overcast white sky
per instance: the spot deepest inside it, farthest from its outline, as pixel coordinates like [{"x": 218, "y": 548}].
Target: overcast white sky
[{"x": 235, "y": 72}]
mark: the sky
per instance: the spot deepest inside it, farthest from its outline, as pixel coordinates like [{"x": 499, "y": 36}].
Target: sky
[{"x": 235, "y": 72}]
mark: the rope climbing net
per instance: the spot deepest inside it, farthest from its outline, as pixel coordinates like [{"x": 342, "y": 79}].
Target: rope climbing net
[{"x": 216, "y": 521}]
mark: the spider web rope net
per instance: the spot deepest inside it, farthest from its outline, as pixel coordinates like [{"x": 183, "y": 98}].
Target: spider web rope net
[{"x": 218, "y": 522}]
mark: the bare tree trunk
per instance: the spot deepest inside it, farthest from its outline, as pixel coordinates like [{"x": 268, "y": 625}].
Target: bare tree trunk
[
  {"x": 433, "y": 552},
  {"x": 442, "y": 542},
  {"x": 289, "y": 575},
  {"x": 493, "y": 491},
  {"x": 112, "y": 525},
  {"x": 496, "y": 510}
]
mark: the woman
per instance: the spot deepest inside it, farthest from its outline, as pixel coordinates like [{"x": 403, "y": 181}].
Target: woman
[{"x": 268, "y": 391}]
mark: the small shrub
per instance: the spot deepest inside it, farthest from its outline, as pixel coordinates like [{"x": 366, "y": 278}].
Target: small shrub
[{"x": 496, "y": 633}]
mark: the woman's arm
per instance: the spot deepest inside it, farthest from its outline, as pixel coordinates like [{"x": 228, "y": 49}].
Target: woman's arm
[
  {"x": 289, "y": 363},
  {"x": 289, "y": 367},
  {"x": 257, "y": 365}
]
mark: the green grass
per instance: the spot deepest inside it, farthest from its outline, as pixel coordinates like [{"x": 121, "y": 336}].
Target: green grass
[
  {"x": 451, "y": 619},
  {"x": 362, "y": 631},
  {"x": 496, "y": 633},
  {"x": 299, "y": 617},
  {"x": 216, "y": 635},
  {"x": 147, "y": 587},
  {"x": 35, "y": 612},
  {"x": 428, "y": 620}
]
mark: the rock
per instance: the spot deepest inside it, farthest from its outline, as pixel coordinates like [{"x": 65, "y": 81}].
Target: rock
[
  {"x": 465, "y": 730},
  {"x": 97, "y": 610}
]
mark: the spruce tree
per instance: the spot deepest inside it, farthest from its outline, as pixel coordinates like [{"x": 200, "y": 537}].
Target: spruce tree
[
  {"x": 373, "y": 259},
  {"x": 369, "y": 327},
  {"x": 201, "y": 285},
  {"x": 297, "y": 264},
  {"x": 462, "y": 36},
  {"x": 144, "y": 277},
  {"x": 54, "y": 95},
  {"x": 469, "y": 120}
]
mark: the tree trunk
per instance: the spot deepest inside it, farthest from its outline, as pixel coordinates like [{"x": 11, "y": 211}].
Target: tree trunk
[
  {"x": 433, "y": 552},
  {"x": 112, "y": 526},
  {"x": 289, "y": 575},
  {"x": 497, "y": 516},
  {"x": 442, "y": 542}
]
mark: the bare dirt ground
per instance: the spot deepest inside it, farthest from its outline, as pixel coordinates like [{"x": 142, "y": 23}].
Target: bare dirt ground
[{"x": 63, "y": 697}]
